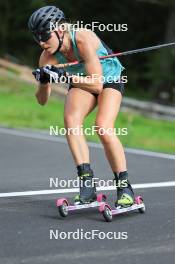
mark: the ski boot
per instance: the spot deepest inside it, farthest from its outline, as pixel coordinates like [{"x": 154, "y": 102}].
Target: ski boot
[
  {"x": 125, "y": 194},
  {"x": 87, "y": 187},
  {"x": 87, "y": 197}
]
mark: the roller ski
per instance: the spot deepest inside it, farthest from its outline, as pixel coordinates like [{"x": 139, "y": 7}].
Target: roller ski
[
  {"x": 108, "y": 212},
  {"x": 87, "y": 197},
  {"x": 64, "y": 207},
  {"x": 126, "y": 201}
]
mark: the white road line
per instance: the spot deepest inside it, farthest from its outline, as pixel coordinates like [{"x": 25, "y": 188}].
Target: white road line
[
  {"x": 45, "y": 136},
  {"x": 76, "y": 190}
]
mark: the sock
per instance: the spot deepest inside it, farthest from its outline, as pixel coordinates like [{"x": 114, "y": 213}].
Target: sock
[
  {"x": 84, "y": 169},
  {"x": 118, "y": 177},
  {"x": 123, "y": 175}
]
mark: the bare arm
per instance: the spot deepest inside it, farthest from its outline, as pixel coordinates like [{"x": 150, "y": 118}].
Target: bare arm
[
  {"x": 43, "y": 92},
  {"x": 88, "y": 43}
]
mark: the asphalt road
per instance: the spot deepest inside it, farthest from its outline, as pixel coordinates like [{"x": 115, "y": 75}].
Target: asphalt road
[{"x": 27, "y": 222}]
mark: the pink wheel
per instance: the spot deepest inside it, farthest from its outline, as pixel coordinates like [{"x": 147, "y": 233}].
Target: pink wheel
[
  {"x": 107, "y": 213},
  {"x": 61, "y": 201},
  {"x": 138, "y": 200},
  {"x": 63, "y": 207},
  {"x": 101, "y": 198}
]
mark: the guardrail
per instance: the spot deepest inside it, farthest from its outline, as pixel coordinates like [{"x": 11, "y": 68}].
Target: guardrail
[{"x": 149, "y": 108}]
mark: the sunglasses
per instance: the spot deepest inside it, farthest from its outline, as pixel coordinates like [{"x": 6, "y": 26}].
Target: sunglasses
[{"x": 41, "y": 36}]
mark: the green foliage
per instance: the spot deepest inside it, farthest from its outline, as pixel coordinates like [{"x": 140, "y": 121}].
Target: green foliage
[{"x": 147, "y": 25}]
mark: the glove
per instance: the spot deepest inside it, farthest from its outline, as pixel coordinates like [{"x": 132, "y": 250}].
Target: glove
[
  {"x": 41, "y": 76},
  {"x": 57, "y": 74},
  {"x": 50, "y": 73}
]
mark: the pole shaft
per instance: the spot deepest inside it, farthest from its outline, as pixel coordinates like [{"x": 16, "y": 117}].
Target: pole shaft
[{"x": 119, "y": 54}]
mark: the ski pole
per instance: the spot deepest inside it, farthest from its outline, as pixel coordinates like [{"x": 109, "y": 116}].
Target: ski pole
[{"x": 119, "y": 54}]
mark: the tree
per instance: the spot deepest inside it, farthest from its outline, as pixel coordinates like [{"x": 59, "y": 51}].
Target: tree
[{"x": 162, "y": 65}]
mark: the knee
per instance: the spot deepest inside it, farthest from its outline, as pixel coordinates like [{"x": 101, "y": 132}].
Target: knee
[
  {"x": 72, "y": 120},
  {"x": 104, "y": 131}
]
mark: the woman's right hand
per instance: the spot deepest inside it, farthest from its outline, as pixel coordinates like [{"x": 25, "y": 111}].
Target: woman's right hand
[{"x": 41, "y": 76}]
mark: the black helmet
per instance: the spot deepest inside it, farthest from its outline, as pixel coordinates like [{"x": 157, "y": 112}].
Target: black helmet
[
  {"x": 40, "y": 23},
  {"x": 40, "y": 20}
]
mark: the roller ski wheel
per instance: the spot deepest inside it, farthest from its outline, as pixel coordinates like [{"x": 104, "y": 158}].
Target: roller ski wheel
[
  {"x": 107, "y": 213},
  {"x": 139, "y": 201},
  {"x": 64, "y": 207}
]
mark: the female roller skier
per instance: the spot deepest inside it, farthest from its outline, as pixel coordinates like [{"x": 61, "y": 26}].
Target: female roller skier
[{"x": 65, "y": 44}]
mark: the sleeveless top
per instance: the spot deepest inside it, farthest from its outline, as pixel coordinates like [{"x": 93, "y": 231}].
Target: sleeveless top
[{"x": 111, "y": 67}]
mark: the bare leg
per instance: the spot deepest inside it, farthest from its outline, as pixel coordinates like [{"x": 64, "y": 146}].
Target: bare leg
[
  {"x": 78, "y": 105},
  {"x": 108, "y": 107}
]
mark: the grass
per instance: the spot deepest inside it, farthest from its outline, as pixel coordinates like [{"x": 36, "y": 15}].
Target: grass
[{"x": 19, "y": 109}]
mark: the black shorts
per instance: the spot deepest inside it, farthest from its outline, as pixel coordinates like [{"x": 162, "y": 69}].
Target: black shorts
[{"x": 116, "y": 86}]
